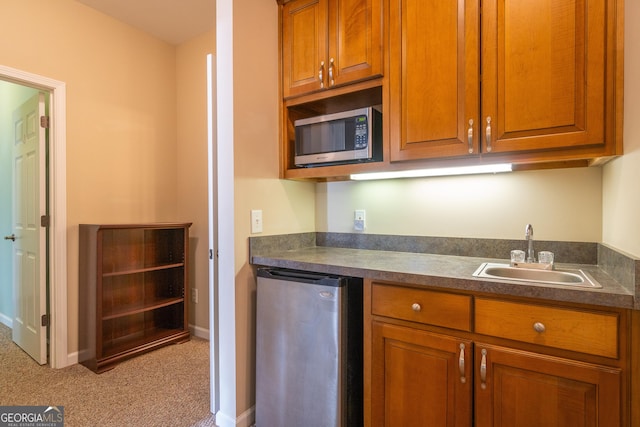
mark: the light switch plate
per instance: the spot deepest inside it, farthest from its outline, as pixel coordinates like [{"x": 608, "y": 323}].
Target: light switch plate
[
  {"x": 359, "y": 220},
  {"x": 256, "y": 221}
]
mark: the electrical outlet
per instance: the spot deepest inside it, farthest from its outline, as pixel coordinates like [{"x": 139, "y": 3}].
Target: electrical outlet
[
  {"x": 194, "y": 295},
  {"x": 359, "y": 220},
  {"x": 256, "y": 221}
]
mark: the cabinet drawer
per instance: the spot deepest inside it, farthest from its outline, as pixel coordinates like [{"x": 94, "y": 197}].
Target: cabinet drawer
[
  {"x": 418, "y": 305},
  {"x": 583, "y": 331}
]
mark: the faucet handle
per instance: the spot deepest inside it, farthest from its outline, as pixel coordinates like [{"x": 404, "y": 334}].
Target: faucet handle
[
  {"x": 528, "y": 236},
  {"x": 528, "y": 230}
]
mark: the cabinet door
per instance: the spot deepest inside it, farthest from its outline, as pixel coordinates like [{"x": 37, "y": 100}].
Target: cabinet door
[
  {"x": 521, "y": 389},
  {"x": 304, "y": 46},
  {"x": 544, "y": 74},
  {"x": 434, "y": 78},
  {"x": 419, "y": 378},
  {"x": 355, "y": 41}
]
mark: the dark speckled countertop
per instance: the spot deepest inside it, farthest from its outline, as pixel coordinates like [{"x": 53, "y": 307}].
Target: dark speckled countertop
[{"x": 437, "y": 270}]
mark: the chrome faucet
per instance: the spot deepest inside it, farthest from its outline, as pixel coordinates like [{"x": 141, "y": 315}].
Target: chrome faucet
[{"x": 528, "y": 236}]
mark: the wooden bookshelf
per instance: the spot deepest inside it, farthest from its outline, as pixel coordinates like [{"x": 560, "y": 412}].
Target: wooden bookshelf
[{"x": 133, "y": 290}]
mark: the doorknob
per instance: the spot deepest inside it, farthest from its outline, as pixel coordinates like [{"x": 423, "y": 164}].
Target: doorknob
[{"x": 12, "y": 237}]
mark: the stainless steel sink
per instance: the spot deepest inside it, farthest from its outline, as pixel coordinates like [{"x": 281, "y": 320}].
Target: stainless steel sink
[{"x": 567, "y": 277}]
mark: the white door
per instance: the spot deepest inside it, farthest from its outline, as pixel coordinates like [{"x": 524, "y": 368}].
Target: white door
[{"x": 29, "y": 203}]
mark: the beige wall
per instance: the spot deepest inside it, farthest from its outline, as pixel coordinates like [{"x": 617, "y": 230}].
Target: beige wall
[
  {"x": 563, "y": 204},
  {"x": 621, "y": 204},
  {"x": 191, "y": 157},
  {"x": 121, "y": 115},
  {"x": 288, "y": 206}
]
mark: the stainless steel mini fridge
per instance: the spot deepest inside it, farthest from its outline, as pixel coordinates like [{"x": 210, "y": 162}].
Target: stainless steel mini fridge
[{"x": 308, "y": 350}]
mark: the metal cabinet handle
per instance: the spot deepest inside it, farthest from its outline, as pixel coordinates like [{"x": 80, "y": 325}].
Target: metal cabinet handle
[
  {"x": 416, "y": 307},
  {"x": 321, "y": 74},
  {"x": 463, "y": 379},
  {"x": 331, "y": 67},
  {"x": 12, "y": 237},
  {"x": 470, "y": 136},
  {"x": 483, "y": 370},
  {"x": 539, "y": 327},
  {"x": 487, "y": 132}
]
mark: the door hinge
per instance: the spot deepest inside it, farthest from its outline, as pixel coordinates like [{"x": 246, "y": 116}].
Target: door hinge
[
  {"x": 45, "y": 320},
  {"x": 44, "y": 122},
  {"x": 45, "y": 221}
]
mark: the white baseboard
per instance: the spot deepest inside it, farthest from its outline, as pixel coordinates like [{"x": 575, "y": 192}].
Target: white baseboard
[
  {"x": 6, "y": 320},
  {"x": 246, "y": 419},
  {"x": 199, "y": 332},
  {"x": 72, "y": 358}
]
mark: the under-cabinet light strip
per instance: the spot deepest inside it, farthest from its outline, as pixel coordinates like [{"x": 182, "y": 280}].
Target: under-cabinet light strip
[{"x": 419, "y": 173}]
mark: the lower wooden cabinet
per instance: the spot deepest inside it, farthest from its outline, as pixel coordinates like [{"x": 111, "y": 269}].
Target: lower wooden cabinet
[
  {"x": 420, "y": 378},
  {"x": 422, "y": 374},
  {"x": 523, "y": 389}
]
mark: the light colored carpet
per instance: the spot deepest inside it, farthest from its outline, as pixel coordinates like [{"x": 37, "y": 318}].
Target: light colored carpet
[{"x": 166, "y": 387}]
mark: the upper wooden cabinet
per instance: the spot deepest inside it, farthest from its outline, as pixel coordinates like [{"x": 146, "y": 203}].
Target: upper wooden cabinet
[
  {"x": 528, "y": 81},
  {"x": 329, "y": 43},
  {"x": 433, "y": 78},
  {"x": 548, "y": 74},
  {"x": 537, "y": 84}
]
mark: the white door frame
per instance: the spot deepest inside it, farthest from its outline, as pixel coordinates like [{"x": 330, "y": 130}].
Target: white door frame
[
  {"x": 212, "y": 180},
  {"x": 225, "y": 306},
  {"x": 58, "y": 352}
]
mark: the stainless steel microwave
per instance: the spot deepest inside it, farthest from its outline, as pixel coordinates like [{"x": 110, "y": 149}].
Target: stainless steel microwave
[{"x": 346, "y": 137}]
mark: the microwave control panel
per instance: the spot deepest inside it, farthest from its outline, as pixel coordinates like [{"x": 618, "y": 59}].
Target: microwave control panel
[{"x": 361, "y": 132}]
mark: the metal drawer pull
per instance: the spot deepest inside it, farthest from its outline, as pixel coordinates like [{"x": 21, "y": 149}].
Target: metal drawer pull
[
  {"x": 488, "y": 134},
  {"x": 483, "y": 370},
  {"x": 416, "y": 307},
  {"x": 470, "y": 136},
  {"x": 463, "y": 379},
  {"x": 321, "y": 74},
  {"x": 539, "y": 327},
  {"x": 331, "y": 66},
  {"x": 12, "y": 237}
]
